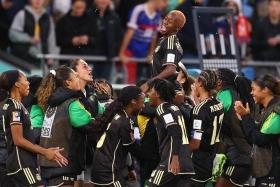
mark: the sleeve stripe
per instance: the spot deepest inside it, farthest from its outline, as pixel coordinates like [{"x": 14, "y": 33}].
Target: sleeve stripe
[
  {"x": 170, "y": 42},
  {"x": 15, "y": 123},
  {"x": 199, "y": 106}
]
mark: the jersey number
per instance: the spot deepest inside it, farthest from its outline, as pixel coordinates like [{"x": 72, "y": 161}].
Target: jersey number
[{"x": 217, "y": 123}]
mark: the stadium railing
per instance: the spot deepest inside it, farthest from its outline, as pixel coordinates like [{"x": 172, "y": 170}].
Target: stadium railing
[{"x": 194, "y": 63}]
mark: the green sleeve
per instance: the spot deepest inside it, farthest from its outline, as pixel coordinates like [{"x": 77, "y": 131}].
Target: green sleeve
[
  {"x": 79, "y": 116},
  {"x": 36, "y": 116},
  {"x": 101, "y": 108},
  {"x": 226, "y": 98},
  {"x": 271, "y": 124}
]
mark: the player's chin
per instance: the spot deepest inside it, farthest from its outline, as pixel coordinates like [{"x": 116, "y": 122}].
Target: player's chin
[{"x": 162, "y": 31}]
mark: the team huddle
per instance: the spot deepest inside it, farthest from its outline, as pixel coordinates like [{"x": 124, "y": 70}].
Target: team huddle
[{"x": 216, "y": 128}]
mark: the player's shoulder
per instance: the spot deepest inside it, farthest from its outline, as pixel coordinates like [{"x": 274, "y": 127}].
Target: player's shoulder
[
  {"x": 13, "y": 104},
  {"x": 139, "y": 8},
  {"x": 201, "y": 107}
]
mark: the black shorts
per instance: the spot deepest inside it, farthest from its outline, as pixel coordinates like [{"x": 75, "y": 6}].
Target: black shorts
[
  {"x": 61, "y": 180},
  {"x": 237, "y": 175},
  {"x": 161, "y": 177},
  {"x": 27, "y": 177},
  {"x": 117, "y": 183}
]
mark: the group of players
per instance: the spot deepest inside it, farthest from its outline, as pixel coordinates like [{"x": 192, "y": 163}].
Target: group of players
[{"x": 191, "y": 133}]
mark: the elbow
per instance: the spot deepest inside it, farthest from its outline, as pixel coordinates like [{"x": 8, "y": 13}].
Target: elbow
[{"x": 18, "y": 141}]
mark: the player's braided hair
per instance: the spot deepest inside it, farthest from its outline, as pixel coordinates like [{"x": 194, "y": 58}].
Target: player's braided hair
[
  {"x": 239, "y": 83},
  {"x": 126, "y": 95},
  {"x": 208, "y": 79},
  {"x": 164, "y": 88}
]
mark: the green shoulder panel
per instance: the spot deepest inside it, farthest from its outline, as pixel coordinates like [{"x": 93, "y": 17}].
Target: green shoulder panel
[
  {"x": 101, "y": 108},
  {"x": 225, "y": 97},
  {"x": 79, "y": 116},
  {"x": 36, "y": 116},
  {"x": 271, "y": 124}
]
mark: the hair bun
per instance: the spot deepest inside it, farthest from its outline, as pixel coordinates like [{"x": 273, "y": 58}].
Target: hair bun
[{"x": 53, "y": 72}]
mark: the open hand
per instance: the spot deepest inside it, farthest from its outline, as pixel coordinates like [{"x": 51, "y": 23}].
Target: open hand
[
  {"x": 175, "y": 166},
  {"x": 54, "y": 154},
  {"x": 240, "y": 109}
]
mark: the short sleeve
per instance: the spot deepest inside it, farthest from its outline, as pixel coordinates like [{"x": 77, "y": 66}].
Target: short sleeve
[
  {"x": 126, "y": 132},
  {"x": 198, "y": 123},
  {"x": 79, "y": 116},
  {"x": 134, "y": 17},
  {"x": 165, "y": 116},
  {"x": 15, "y": 114}
]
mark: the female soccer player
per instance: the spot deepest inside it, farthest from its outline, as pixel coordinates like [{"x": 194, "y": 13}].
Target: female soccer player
[
  {"x": 206, "y": 121},
  {"x": 172, "y": 138},
  {"x": 21, "y": 163},
  {"x": 265, "y": 135},
  {"x": 63, "y": 124},
  {"x": 237, "y": 168},
  {"x": 118, "y": 138}
]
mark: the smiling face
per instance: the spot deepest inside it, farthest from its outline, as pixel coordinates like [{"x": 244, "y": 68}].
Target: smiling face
[
  {"x": 172, "y": 23},
  {"x": 22, "y": 85},
  {"x": 153, "y": 97},
  {"x": 259, "y": 94}
]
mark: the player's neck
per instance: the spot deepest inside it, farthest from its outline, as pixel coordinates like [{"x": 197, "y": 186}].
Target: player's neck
[
  {"x": 203, "y": 96},
  {"x": 151, "y": 7},
  {"x": 170, "y": 34},
  {"x": 266, "y": 101},
  {"x": 129, "y": 111},
  {"x": 16, "y": 95}
]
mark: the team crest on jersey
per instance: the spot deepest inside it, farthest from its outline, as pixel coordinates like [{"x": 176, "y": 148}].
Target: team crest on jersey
[
  {"x": 38, "y": 177},
  {"x": 16, "y": 116}
]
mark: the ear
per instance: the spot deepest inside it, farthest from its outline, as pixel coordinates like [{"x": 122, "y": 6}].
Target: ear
[
  {"x": 17, "y": 84},
  {"x": 66, "y": 83}
]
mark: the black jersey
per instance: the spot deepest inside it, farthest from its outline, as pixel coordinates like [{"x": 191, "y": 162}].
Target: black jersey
[
  {"x": 168, "y": 51},
  {"x": 18, "y": 158},
  {"x": 169, "y": 115},
  {"x": 207, "y": 118},
  {"x": 110, "y": 155}
]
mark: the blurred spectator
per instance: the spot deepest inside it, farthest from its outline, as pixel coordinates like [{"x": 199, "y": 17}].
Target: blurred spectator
[
  {"x": 32, "y": 32},
  {"x": 124, "y": 9},
  {"x": 187, "y": 35},
  {"x": 242, "y": 25},
  {"x": 60, "y": 8},
  {"x": 141, "y": 36},
  {"x": 108, "y": 34},
  {"x": 74, "y": 32},
  {"x": 172, "y": 4},
  {"x": 266, "y": 35},
  {"x": 8, "y": 9}
]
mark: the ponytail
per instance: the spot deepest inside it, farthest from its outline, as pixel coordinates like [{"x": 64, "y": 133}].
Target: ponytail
[
  {"x": 243, "y": 88},
  {"x": 3, "y": 94},
  {"x": 127, "y": 94},
  {"x": 101, "y": 123},
  {"x": 45, "y": 90}
]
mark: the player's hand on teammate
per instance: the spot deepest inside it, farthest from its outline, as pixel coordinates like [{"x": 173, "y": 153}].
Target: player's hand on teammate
[
  {"x": 175, "y": 167},
  {"x": 54, "y": 154},
  {"x": 241, "y": 110},
  {"x": 273, "y": 41}
]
